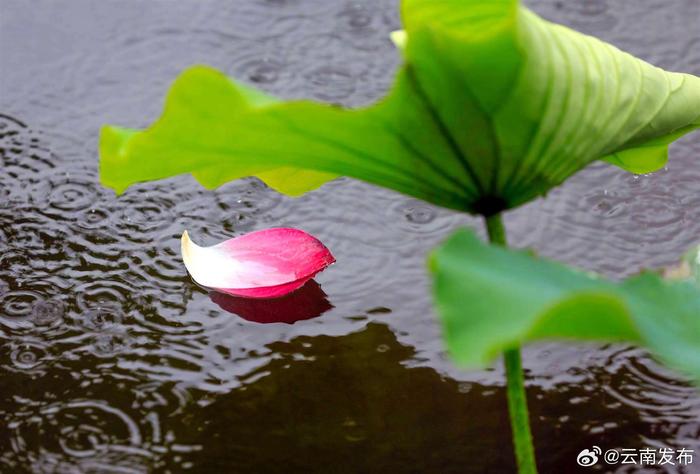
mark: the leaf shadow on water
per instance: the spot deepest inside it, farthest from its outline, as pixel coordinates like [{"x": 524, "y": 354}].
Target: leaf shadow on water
[
  {"x": 308, "y": 302},
  {"x": 359, "y": 403}
]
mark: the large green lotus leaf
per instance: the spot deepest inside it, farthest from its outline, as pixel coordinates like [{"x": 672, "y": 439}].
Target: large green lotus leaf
[
  {"x": 491, "y": 298},
  {"x": 492, "y": 107}
]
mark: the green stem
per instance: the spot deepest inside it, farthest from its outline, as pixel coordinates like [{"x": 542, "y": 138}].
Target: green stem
[{"x": 517, "y": 398}]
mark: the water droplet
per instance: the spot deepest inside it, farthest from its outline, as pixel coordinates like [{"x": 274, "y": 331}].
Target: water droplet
[
  {"x": 107, "y": 345},
  {"x": 71, "y": 196},
  {"x": 355, "y": 17},
  {"x": 101, "y": 318},
  {"x": 47, "y": 311},
  {"x": 331, "y": 83},
  {"x": 93, "y": 218},
  {"x": 27, "y": 355},
  {"x": 18, "y": 304}
]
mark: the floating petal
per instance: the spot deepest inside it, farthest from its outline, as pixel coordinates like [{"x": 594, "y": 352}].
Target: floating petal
[{"x": 265, "y": 264}]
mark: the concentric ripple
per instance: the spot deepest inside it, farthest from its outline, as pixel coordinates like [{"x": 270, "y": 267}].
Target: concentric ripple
[
  {"x": 417, "y": 217},
  {"x": 103, "y": 294},
  {"x": 30, "y": 310},
  {"x": 93, "y": 217},
  {"x": 64, "y": 194},
  {"x": 48, "y": 312},
  {"x": 17, "y": 305},
  {"x": 268, "y": 70},
  {"x": 637, "y": 381},
  {"x": 81, "y": 435},
  {"x": 26, "y": 356},
  {"x": 144, "y": 214},
  {"x": 71, "y": 196}
]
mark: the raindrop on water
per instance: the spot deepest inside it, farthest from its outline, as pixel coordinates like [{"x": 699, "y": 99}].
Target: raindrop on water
[
  {"x": 27, "y": 355},
  {"x": 101, "y": 318},
  {"x": 47, "y": 311}
]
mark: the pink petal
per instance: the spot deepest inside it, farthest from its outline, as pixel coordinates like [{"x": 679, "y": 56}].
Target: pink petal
[
  {"x": 264, "y": 264},
  {"x": 268, "y": 291}
]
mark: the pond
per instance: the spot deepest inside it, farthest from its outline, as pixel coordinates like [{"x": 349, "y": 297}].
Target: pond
[{"x": 113, "y": 361}]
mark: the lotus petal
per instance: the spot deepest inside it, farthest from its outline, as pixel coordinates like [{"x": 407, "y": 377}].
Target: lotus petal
[{"x": 264, "y": 264}]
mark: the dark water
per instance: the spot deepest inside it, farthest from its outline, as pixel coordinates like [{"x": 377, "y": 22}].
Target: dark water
[{"x": 112, "y": 361}]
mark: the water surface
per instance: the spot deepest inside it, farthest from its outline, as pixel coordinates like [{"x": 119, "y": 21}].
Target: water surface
[{"x": 113, "y": 361}]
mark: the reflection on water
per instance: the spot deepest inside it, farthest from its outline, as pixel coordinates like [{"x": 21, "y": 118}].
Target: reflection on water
[
  {"x": 112, "y": 360},
  {"x": 351, "y": 405},
  {"x": 307, "y": 302}
]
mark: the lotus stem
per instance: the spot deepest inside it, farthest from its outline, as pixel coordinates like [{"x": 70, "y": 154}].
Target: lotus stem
[{"x": 517, "y": 398}]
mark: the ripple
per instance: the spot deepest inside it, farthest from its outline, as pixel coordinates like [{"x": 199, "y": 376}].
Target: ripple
[
  {"x": 101, "y": 318},
  {"x": 248, "y": 195},
  {"x": 322, "y": 75},
  {"x": 23, "y": 160},
  {"x": 170, "y": 398},
  {"x": 145, "y": 213},
  {"x": 10, "y": 127},
  {"x": 18, "y": 304},
  {"x": 637, "y": 381},
  {"x": 418, "y": 217},
  {"x": 79, "y": 435},
  {"x": 363, "y": 25},
  {"x": 72, "y": 195},
  {"x": 35, "y": 243},
  {"x": 26, "y": 356},
  {"x": 65, "y": 193},
  {"x": 30, "y": 310},
  {"x": 109, "y": 345},
  {"x": 261, "y": 70},
  {"x": 355, "y": 17},
  {"x": 655, "y": 216},
  {"x": 235, "y": 208},
  {"x": 621, "y": 223},
  {"x": 658, "y": 213},
  {"x": 265, "y": 18},
  {"x": 331, "y": 83},
  {"x": 48, "y": 312},
  {"x": 604, "y": 204},
  {"x": 94, "y": 218},
  {"x": 108, "y": 293},
  {"x": 417, "y": 212}
]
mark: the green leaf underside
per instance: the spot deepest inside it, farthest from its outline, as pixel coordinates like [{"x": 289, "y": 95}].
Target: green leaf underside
[
  {"x": 492, "y": 107},
  {"x": 490, "y": 299}
]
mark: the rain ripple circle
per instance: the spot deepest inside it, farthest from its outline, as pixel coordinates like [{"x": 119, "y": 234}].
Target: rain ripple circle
[{"x": 81, "y": 434}]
